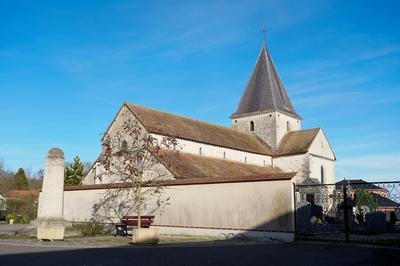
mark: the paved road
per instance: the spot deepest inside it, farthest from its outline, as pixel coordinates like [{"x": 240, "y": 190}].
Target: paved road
[
  {"x": 12, "y": 228},
  {"x": 261, "y": 254}
]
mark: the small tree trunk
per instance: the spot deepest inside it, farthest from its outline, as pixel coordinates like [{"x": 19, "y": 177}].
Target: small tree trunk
[{"x": 139, "y": 191}]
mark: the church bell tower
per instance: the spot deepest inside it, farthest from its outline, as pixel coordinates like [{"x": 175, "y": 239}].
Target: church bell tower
[{"x": 265, "y": 109}]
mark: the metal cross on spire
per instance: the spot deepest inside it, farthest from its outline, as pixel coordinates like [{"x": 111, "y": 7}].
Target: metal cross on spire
[{"x": 263, "y": 31}]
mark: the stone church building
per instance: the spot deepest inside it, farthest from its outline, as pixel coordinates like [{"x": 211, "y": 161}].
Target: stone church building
[
  {"x": 228, "y": 180},
  {"x": 266, "y": 132}
]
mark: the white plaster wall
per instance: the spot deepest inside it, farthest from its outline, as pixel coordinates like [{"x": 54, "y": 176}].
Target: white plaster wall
[
  {"x": 250, "y": 205},
  {"x": 217, "y": 152},
  {"x": 321, "y": 147},
  {"x": 329, "y": 169},
  {"x": 78, "y": 204},
  {"x": 270, "y": 127},
  {"x": 321, "y": 154},
  {"x": 266, "y": 205},
  {"x": 294, "y": 163}
]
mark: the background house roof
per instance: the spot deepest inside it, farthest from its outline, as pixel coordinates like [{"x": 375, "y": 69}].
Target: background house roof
[
  {"x": 265, "y": 90},
  {"x": 358, "y": 183},
  {"x": 19, "y": 193},
  {"x": 383, "y": 202},
  {"x": 168, "y": 124},
  {"x": 185, "y": 165}
]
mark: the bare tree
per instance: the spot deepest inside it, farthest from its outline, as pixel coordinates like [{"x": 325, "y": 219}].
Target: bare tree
[{"x": 131, "y": 159}]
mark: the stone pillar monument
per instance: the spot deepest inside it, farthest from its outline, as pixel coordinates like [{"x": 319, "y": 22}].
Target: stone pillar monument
[{"x": 51, "y": 224}]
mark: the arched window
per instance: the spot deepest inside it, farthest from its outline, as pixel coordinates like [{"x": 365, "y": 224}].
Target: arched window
[
  {"x": 245, "y": 159},
  {"x": 224, "y": 155},
  {"x": 251, "y": 126},
  {"x": 200, "y": 151},
  {"x": 322, "y": 175},
  {"x": 287, "y": 126}
]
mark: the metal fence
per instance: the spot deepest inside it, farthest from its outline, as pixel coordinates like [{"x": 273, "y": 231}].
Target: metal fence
[{"x": 349, "y": 212}]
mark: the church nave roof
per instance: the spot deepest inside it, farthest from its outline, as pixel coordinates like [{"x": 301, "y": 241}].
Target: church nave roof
[{"x": 163, "y": 123}]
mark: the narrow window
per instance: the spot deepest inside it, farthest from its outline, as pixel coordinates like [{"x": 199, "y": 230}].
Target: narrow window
[
  {"x": 264, "y": 162},
  {"x": 251, "y": 126},
  {"x": 224, "y": 155},
  {"x": 245, "y": 159},
  {"x": 200, "y": 151},
  {"x": 322, "y": 175},
  {"x": 124, "y": 145},
  {"x": 287, "y": 126}
]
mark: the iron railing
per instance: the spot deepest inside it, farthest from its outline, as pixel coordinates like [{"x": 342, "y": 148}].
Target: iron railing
[{"x": 349, "y": 211}]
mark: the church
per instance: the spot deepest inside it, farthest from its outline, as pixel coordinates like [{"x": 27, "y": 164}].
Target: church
[
  {"x": 266, "y": 134},
  {"x": 227, "y": 180}
]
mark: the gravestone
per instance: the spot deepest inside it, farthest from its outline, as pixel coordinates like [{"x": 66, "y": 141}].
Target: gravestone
[
  {"x": 375, "y": 222},
  {"x": 303, "y": 216}
]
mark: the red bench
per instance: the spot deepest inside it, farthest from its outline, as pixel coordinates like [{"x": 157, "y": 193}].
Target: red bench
[{"x": 122, "y": 227}]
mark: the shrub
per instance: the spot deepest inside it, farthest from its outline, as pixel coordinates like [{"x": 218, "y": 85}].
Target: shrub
[
  {"x": 24, "y": 210},
  {"x": 11, "y": 216},
  {"x": 91, "y": 229}
]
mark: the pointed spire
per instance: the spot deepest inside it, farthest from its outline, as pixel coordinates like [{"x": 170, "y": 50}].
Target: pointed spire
[{"x": 265, "y": 91}]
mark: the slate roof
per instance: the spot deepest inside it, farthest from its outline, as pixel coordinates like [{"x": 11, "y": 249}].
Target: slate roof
[
  {"x": 357, "y": 183},
  {"x": 185, "y": 165},
  {"x": 296, "y": 142},
  {"x": 265, "y": 91},
  {"x": 384, "y": 202},
  {"x": 164, "y": 123}
]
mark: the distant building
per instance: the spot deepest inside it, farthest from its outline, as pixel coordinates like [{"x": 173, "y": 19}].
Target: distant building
[
  {"x": 23, "y": 194},
  {"x": 2, "y": 203},
  {"x": 381, "y": 195}
]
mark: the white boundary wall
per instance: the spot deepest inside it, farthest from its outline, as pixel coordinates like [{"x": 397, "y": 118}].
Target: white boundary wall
[{"x": 256, "y": 209}]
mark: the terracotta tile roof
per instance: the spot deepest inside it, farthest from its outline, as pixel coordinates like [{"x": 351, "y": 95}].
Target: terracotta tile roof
[
  {"x": 296, "y": 142},
  {"x": 164, "y": 123},
  {"x": 17, "y": 193},
  {"x": 185, "y": 165},
  {"x": 191, "y": 181}
]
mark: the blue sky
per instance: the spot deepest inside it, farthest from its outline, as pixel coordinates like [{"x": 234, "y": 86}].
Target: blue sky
[{"x": 67, "y": 66}]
